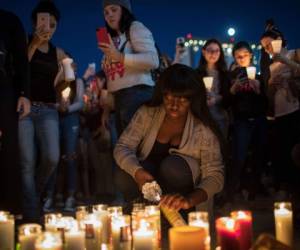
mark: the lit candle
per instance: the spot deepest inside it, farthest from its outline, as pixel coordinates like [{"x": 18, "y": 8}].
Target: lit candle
[
  {"x": 200, "y": 219},
  {"x": 187, "y": 237},
  {"x": 208, "y": 82},
  {"x": 144, "y": 237},
  {"x": 66, "y": 94},
  {"x": 51, "y": 220},
  {"x": 49, "y": 241},
  {"x": 244, "y": 221},
  {"x": 7, "y": 231},
  {"x": 121, "y": 232},
  {"x": 103, "y": 215},
  {"x": 227, "y": 233},
  {"x": 93, "y": 232},
  {"x": 74, "y": 238},
  {"x": 28, "y": 233},
  {"x": 284, "y": 222},
  {"x": 153, "y": 213},
  {"x": 81, "y": 213}
]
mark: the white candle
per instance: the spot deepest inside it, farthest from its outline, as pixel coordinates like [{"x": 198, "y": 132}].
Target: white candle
[
  {"x": 51, "y": 220},
  {"x": 7, "y": 231},
  {"x": 48, "y": 241},
  {"x": 66, "y": 94},
  {"x": 200, "y": 219},
  {"x": 68, "y": 70},
  {"x": 74, "y": 239},
  {"x": 103, "y": 215},
  {"x": 121, "y": 233},
  {"x": 143, "y": 238},
  {"x": 153, "y": 213},
  {"x": 251, "y": 72},
  {"x": 208, "y": 82},
  {"x": 284, "y": 222},
  {"x": 28, "y": 233},
  {"x": 276, "y": 46},
  {"x": 93, "y": 232}
]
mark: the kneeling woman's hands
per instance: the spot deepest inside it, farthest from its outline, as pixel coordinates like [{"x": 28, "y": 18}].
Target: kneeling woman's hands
[
  {"x": 175, "y": 201},
  {"x": 141, "y": 177}
]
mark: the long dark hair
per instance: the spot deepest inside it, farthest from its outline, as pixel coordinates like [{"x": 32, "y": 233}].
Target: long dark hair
[
  {"x": 221, "y": 67},
  {"x": 181, "y": 80},
  {"x": 127, "y": 18},
  {"x": 220, "y": 64}
]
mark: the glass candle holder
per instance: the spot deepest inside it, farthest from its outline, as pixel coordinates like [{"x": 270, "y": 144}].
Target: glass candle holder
[
  {"x": 102, "y": 214},
  {"x": 144, "y": 235},
  {"x": 49, "y": 241},
  {"x": 28, "y": 233},
  {"x": 121, "y": 232},
  {"x": 81, "y": 212},
  {"x": 115, "y": 211},
  {"x": 153, "y": 213},
  {"x": 51, "y": 220},
  {"x": 74, "y": 237},
  {"x": 244, "y": 222},
  {"x": 93, "y": 231},
  {"x": 200, "y": 219},
  {"x": 227, "y": 233},
  {"x": 7, "y": 230},
  {"x": 284, "y": 222}
]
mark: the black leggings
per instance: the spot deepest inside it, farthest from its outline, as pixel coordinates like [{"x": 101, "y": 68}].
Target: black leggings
[{"x": 173, "y": 175}]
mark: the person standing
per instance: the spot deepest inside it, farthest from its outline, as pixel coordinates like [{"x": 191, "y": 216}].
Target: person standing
[
  {"x": 14, "y": 102},
  {"x": 128, "y": 60}
]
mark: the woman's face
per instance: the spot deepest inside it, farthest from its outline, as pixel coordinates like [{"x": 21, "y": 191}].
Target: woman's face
[
  {"x": 243, "y": 57},
  {"x": 112, "y": 15},
  {"x": 211, "y": 53},
  {"x": 176, "y": 106},
  {"x": 52, "y": 27},
  {"x": 266, "y": 43}
]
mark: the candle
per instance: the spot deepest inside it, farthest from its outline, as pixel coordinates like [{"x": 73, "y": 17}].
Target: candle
[
  {"x": 103, "y": 215},
  {"x": 227, "y": 233},
  {"x": 93, "y": 232},
  {"x": 68, "y": 70},
  {"x": 187, "y": 238},
  {"x": 153, "y": 213},
  {"x": 66, "y": 94},
  {"x": 121, "y": 232},
  {"x": 208, "y": 82},
  {"x": 200, "y": 219},
  {"x": 51, "y": 220},
  {"x": 28, "y": 233},
  {"x": 81, "y": 213},
  {"x": 49, "y": 241},
  {"x": 284, "y": 222},
  {"x": 7, "y": 231},
  {"x": 244, "y": 221},
  {"x": 251, "y": 72},
  {"x": 64, "y": 224},
  {"x": 143, "y": 237},
  {"x": 74, "y": 238}
]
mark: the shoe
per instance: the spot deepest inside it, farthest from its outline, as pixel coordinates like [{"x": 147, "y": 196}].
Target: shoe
[
  {"x": 48, "y": 205},
  {"x": 70, "y": 204},
  {"x": 59, "y": 201}
]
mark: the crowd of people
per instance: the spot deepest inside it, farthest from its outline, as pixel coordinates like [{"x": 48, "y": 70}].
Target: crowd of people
[{"x": 125, "y": 125}]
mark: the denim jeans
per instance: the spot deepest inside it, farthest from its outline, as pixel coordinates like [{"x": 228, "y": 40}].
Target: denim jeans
[
  {"x": 38, "y": 133},
  {"x": 246, "y": 132},
  {"x": 127, "y": 102}
]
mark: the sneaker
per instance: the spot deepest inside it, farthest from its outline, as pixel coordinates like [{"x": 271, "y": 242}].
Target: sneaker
[
  {"x": 70, "y": 204},
  {"x": 48, "y": 205}
]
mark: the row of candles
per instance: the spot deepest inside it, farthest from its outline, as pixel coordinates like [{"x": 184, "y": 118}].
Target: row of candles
[{"x": 108, "y": 228}]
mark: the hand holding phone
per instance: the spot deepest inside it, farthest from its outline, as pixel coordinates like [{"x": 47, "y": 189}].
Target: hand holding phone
[
  {"x": 43, "y": 20},
  {"x": 102, "y": 35}
]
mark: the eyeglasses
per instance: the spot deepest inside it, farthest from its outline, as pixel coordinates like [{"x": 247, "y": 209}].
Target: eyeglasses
[{"x": 212, "y": 51}]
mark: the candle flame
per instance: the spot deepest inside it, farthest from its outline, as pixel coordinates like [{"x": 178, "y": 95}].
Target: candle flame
[
  {"x": 66, "y": 92},
  {"x": 230, "y": 223},
  {"x": 3, "y": 216},
  {"x": 241, "y": 215}
]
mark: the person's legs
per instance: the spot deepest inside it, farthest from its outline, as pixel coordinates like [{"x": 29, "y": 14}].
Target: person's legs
[
  {"x": 127, "y": 102},
  {"x": 175, "y": 175},
  {"x": 28, "y": 165},
  {"x": 47, "y": 132}
]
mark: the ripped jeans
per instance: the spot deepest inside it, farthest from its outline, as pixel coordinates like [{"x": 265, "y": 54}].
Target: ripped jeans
[{"x": 69, "y": 131}]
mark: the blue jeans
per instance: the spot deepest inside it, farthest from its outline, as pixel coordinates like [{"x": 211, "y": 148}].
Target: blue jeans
[
  {"x": 38, "y": 132},
  {"x": 127, "y": 102},
  {"x": 246, "y": 132}
]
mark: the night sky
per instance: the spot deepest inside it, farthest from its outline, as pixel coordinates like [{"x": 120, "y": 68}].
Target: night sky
[{"x": 167, "y": 20}]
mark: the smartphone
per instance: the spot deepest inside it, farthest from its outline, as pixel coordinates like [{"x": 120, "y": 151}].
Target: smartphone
[
  {"x": 102, "y": 35},
  {"x": 43, "y": 19},
  {"x": 243, "y": 76},
  {"x": 180, "y": 41}
]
